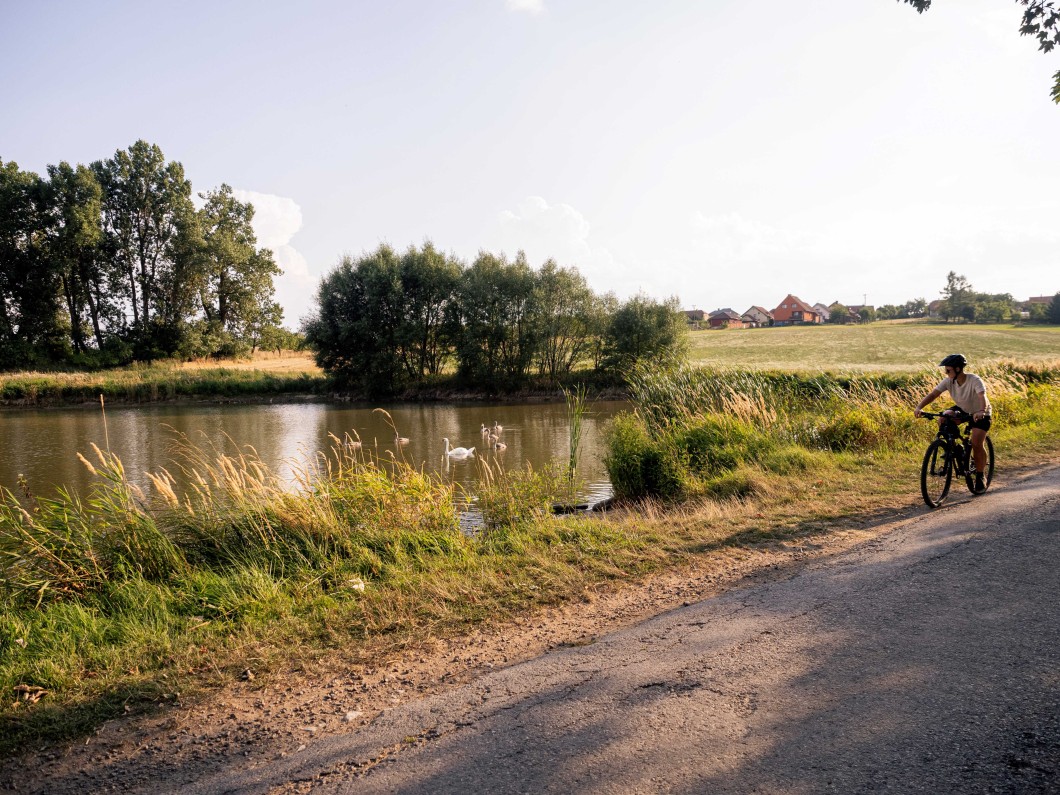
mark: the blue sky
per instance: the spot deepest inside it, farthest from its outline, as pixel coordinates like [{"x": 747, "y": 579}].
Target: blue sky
[{"x": 725, "y": 152}]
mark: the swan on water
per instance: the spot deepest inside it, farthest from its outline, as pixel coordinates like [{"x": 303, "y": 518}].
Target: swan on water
[
  {"x": 496, "y": 443},
  {"x": 458, "y": 452},
  {"x": 497, "y": 428}
]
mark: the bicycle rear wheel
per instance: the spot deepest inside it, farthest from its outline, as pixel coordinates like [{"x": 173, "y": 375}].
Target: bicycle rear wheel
[
  {"x": 988, "y": 475},
  {"x": 936, "y": 473}
]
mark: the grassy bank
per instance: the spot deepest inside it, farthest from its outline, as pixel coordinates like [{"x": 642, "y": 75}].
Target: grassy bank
[
  {"x": 900, "y": 346},
  {"x": 150, "y": 383},
  {"x": 128, "y": 599}
]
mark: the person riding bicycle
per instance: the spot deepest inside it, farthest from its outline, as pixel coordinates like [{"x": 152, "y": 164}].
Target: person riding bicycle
[{"x": 968, "y": 392}]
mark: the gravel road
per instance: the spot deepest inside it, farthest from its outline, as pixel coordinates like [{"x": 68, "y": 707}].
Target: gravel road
[{"x": 926, "y": 660}]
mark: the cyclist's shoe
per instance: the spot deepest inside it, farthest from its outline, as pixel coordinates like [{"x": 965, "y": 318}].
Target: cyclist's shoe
[{"x": 980, "y": 486}]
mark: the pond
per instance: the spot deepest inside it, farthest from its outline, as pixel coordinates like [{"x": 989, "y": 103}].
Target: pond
[{"x": 42, "y": 445}]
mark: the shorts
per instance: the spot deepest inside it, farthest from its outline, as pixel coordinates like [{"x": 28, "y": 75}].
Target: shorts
[{"x": 983, "y": 424}]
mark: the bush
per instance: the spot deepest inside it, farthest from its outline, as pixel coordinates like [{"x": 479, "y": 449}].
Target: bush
[
  {"x": 639, "y": 466},
  {"x": 850, "y": 429}
]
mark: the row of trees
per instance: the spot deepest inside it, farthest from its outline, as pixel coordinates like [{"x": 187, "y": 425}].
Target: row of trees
[
  {"x": 386, "y": 321},
  {"x": 961, "y": 303},
  {"x": 110, "y": 262}
]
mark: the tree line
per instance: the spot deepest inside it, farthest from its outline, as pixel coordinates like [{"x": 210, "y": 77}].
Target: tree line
[
  {"x": 961, "y": 303},
  {"x": 386, "y": 321},
  {"x": 111, "y": 262}
]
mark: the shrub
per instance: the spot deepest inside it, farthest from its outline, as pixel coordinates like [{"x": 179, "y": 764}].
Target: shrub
[{"x": 852, "y": 428}]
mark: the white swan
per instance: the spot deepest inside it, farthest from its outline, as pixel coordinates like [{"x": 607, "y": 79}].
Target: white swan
[
  {"x": 485, "y": 430},
  {"x": 399, "y": 439},
  {"x": 458, "y": 452},
  {"x": 497, "y": 429},
  {"x": 496, "y": 443}
]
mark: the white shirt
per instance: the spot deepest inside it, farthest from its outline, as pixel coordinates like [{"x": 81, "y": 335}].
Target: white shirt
[{"x": 969, "y": 396}]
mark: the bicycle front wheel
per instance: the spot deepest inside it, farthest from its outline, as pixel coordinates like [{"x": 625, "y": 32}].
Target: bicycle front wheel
[{"x": 936, "y": 473}]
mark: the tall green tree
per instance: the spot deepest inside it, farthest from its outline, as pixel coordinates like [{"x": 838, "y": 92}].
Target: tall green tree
[
  {"x": 644, "y": 328},
  {"x": 1054, "y": 309},
  {"x": 146, "y": 206},
  {"x": 235, "y": 277},
  {"x": 357, "y": 328},
  {"x": 494, "y": 320},
  {"x": 565, "y": 306},
  {"x": 957, "y": 298},
  {"x": 73, "y": 203},
  {"x": 31, "y": 330},
  {"x": 428, "y": 284}
]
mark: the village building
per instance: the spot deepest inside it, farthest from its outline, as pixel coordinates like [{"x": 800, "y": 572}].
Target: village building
[
  {"x": 793, "y": 311},
  {"x": 839, "y": 313},
  {"x": 695, "y": 317},
  {"x": 822, "y": 310},
  {"x": 726, "y": 318},
  {"x": 757, "y": 317}
]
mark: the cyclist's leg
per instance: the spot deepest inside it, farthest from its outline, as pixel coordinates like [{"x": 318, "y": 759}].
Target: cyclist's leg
[{"x": 979, "y": 449}]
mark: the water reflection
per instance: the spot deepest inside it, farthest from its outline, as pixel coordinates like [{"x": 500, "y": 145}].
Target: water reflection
[{"x": 42, "y": 445}]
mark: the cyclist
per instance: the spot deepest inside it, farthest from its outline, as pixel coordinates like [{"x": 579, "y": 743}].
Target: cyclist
[{"x": 968, "y": 392}]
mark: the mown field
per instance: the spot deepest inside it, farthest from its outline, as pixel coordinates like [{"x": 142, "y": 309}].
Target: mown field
[{"x": 888, "y": 345}]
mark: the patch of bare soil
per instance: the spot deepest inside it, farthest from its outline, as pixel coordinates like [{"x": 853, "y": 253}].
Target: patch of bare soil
[{"x": 249, "y": 722}]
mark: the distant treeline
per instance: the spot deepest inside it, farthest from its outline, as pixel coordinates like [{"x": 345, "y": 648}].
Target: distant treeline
[
  {"x": 961, "y": 303},
  {"x": 111, "y": 262},
  {"x": 388, "y": 321}
]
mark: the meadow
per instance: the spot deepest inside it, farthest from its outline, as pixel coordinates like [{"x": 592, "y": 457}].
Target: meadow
[
  {"x": 128, "y": 599},
  {"x": 899, "y": 345}
]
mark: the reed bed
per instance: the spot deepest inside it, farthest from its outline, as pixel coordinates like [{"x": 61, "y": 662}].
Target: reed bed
[{"x": 714, "y": 430}]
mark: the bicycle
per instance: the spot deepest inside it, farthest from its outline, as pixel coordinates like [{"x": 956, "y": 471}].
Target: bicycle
[{"x": 950, "y": 453}]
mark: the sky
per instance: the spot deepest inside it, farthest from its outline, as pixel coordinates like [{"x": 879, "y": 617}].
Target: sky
[{"x": 724, "y": 152}]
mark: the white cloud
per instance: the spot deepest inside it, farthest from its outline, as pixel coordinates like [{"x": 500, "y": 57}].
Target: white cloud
[
  {"x": 528, "y": 6},
  {"x": 277, "y": 219},
  {"x": 562, "y": 233}
]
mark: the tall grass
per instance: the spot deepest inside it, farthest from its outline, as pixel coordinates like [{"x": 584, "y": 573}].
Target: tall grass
[{"x": 693, "y": 426}]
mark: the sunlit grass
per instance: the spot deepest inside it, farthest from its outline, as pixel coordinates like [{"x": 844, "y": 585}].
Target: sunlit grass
[{"x": 883, "y": 346}]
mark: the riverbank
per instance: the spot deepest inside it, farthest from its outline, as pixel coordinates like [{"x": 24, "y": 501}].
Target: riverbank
[
  {"x": 132, "y": 601},
  {"x": 251, "y": 382}
]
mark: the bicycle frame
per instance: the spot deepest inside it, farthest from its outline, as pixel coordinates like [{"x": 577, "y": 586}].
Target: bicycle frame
[{"x": 949, "y": 454}]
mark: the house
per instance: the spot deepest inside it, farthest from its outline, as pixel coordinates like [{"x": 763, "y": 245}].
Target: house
[
  {"x": 1040, "y": 299},
  {"x": 822, "y": 310},
  {"x": 726, "y": 318},
  {"x": 934, "y": 309},
  {"x": 793, "y": 310},
  {"x": 866, "y": 312},
  {"x": 757, "y": 317},
  {"x": 695, "y": 317},
  {"x": 843, "y": 314}
]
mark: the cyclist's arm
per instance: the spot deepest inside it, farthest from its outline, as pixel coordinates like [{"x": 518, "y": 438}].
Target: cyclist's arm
[{"x": 934, "y": 393}]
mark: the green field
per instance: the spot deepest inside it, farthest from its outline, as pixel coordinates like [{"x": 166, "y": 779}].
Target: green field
[{"x": 888, "y": 345}]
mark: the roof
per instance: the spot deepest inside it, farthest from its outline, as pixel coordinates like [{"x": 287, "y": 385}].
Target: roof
[
  {"x": 726, "y": 313},
  {"x": 799, "y": 303}
]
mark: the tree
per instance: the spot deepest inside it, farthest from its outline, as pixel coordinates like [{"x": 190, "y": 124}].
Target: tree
[
  {"x": 493, "y": 320},
  {"x": 146, "y": 206},
  {"x": 73, "y": 232},
  {"x": 915, "y": 308},
  {"x": 957, "y": 298},
  {"x": 357, "y": 329},
  {"x": 30, "y": 327},
  {"x": 643, "y": 328},
  {"x": 1041, "y": 19},
  {"x": 838, "y": 313},
  {"x": 1054, "y": 309},
  {"x": 235, "y": 277},
  {"x": 565, "y": 306},
  {"x": 428, "y": 282}
]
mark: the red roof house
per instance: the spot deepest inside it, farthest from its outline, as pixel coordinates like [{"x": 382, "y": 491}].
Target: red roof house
[{"x": 794, "y": 310}]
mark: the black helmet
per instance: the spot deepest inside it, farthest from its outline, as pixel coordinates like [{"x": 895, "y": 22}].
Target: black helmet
[{"x": 954, "y": 360}]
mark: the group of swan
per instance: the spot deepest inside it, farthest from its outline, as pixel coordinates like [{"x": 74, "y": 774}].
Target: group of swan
[{"x": 491, "y": 435}]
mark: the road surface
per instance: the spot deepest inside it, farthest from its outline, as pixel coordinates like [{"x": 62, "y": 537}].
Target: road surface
[{"x": 927, "y": 660}]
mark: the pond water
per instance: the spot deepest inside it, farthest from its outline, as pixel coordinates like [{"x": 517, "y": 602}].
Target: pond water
[{"x": 42, "y": 445}]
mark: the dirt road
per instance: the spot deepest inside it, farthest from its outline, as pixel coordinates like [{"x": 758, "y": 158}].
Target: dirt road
[{"x": 926, "y": 659}]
